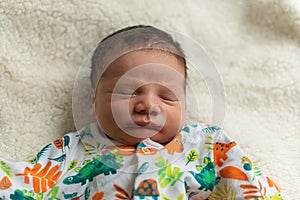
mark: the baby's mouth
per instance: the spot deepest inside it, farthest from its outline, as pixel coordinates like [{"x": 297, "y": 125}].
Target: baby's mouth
[{"x": 144, "y": 125}]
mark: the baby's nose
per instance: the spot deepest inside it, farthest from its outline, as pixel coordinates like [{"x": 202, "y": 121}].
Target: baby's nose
[
  {"x": 148, "y": 104},
  {"x": 154, "y": 109}
]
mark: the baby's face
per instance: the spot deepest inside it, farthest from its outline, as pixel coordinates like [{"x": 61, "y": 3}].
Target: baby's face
[{"x": 141, "y": 95}]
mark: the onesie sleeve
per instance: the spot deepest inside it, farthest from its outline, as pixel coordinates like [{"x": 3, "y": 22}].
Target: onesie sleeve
[
  {"x": 237, "y": 176},
  {"x": 34, "y": 178}
]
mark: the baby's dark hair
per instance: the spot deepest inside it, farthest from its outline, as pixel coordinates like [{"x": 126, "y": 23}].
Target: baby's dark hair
[{"x": 132, "y": 38}]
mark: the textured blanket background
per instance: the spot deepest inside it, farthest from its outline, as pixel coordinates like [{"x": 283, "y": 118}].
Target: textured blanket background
[{"x": 255, "y": 45}]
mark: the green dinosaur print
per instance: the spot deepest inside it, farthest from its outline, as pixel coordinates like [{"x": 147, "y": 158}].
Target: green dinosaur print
[
  {"x": 25, "y": 195},
  {"x": 206, "y": 178},
  {"x": 102, "y": 164}
]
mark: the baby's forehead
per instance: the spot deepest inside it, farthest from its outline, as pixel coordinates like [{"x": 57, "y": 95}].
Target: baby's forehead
[{"x": 151, "y": 58}]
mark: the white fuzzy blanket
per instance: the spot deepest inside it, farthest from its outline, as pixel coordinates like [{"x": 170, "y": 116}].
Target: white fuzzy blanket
[{"x": 255, "y": 45}]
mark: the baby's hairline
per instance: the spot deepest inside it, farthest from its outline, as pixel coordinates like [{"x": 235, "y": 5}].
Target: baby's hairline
[{"x": 128, "y": 39}]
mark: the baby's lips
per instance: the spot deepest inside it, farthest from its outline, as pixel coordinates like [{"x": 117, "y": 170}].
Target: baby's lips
[
  {"x": 140, "y": 130},
  {"x": 147, "y": 124},
  {"x": 142, "y": 123}
]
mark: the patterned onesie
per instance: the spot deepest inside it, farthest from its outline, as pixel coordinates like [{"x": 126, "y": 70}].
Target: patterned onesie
[{"x": 201, "y": 162}]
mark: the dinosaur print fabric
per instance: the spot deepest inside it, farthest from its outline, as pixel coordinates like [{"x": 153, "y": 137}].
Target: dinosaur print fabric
[{"x": 201, "y": 162}]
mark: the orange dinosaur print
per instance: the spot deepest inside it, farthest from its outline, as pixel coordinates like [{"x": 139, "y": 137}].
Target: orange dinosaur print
[
  {"x": 220, "y": 150},
  {"x": 175, "y": 145},
  {"x": 41, "y": 177},
  {"x": 233, "y": 173},
  {"x": 5, "y": 183}
]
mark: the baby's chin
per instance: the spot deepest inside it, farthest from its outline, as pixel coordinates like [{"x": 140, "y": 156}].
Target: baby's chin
[
  {"x": 129, "y": 140},
  {"x": 132, "y": 141},
  {"x": 162, "y": 139},
  {"x": 133, "y": 136}
]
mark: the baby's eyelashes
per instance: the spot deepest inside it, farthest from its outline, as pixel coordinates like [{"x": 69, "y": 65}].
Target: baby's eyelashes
[
  {"x": 164, "y": 96},
  {"x": 168, "y": 98}
]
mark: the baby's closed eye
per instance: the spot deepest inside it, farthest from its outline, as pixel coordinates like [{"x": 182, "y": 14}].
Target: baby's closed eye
[{"x": 168, "y": 97}]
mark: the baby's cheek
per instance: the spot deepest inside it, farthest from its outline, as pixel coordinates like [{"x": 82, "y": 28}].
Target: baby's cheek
[
  {"x": 120, "y": 110},
  {"x": 175, "y": 117}
]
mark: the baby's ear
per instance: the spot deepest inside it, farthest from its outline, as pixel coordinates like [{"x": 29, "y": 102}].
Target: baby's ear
[{"x": 92, "y": 102}]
